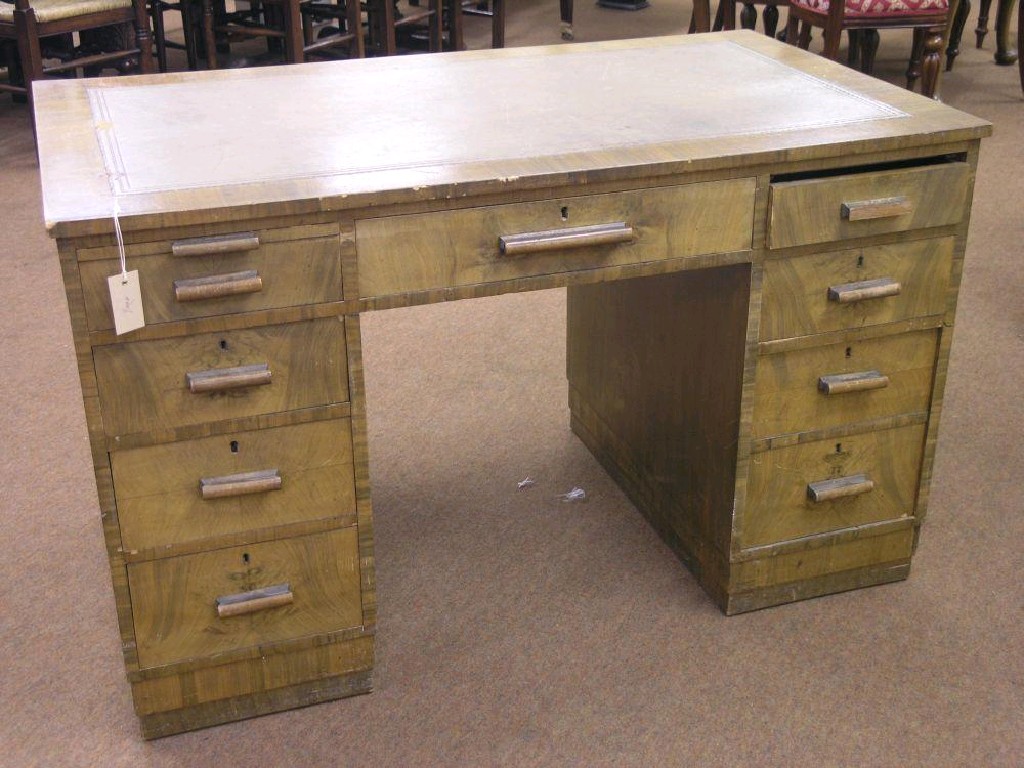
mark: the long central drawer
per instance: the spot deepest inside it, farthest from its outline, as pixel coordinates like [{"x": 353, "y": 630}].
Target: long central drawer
[{"x": 418, "y": 252}]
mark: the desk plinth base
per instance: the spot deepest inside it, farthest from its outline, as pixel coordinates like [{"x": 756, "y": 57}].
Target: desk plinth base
[{"x": 213, "y": 695}]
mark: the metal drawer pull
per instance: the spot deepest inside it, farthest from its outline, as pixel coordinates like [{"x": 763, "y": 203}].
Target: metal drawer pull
[
  {"x": 839, "y": 383},
  {"x": 242, "y": 484},
  {"x": 569, "y": 237},
  {"x": 218, "y": 286},
  {"x": 847, "y": 293},
  {"x": 839, "y": 488},
  {"x": 257, "y": 600},
  {"x": 221, "y": 379},
  {"x": 216, "y": 244},
  {"x": 882, "y": 208}
]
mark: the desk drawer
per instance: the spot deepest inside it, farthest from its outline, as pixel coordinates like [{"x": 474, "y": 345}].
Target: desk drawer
[
  {"x": 175, "y": 382},
  {"x": 185, "y": 492},
  {"x": 224, "y": 274},
  {"x": 855, "y": 288},
  {"x": 838, "y": 384},
  {"x": 404, "y": 254},
  {"x": 865, "y": 204},
  {"x": 195, "y": 605},
  {"x": 780, "y": 506}
]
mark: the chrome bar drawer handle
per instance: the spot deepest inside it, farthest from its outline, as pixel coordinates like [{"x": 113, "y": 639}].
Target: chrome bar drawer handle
[
  {"x": 847, "y": 293},
  {"x": 840, "y": 383},
  {"x": 242, "y": 484},
  {"x": 221, "y": 379},
  {"x": 839, "y": 488},
  {"x": 257, "y": 600},
  {"x": 218, "y": 286},
  {"x": 568, "y": 237},
  {"x": 216, "y": 244},
  {"x": 882, "y": 208}
]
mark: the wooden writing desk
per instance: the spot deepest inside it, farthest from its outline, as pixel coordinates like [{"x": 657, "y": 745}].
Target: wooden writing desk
[{"x": 762, "y": 250}]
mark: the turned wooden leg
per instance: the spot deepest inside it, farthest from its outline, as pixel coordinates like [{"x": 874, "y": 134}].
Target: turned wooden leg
[
  {"x": 868, "y": 49},
  {"x": 770, "y": 18},
  {"x": 853, "y": 50},
  {"x": 932, "y": 61},
  {"x": 982, "y": 29},
  {"x": 916, "y": 51},
  {"x": 1005, "y": 55},
  {"x": 748, "y": 16},
  {"x": 805, "y": 36},
  {"x": 209, "y": 38},
  {"x": 956, "y": 32},
  {"x": 792, "y": 29}
]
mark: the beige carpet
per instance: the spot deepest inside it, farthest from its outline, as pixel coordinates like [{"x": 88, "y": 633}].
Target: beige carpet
[{"x": 516, "y": 630}]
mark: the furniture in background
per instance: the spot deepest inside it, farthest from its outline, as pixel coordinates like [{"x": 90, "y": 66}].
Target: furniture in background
[
  {"x": 929, "y": 20},
  {"x": 1004, "y": 12},
  {"x": 43, "y": 30},
  {"x": 725, "y": 16},
  {"x": 760, "y": 310}
]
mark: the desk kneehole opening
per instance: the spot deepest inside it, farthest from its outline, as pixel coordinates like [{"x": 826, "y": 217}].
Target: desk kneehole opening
[{"x": 839, "y": 488}]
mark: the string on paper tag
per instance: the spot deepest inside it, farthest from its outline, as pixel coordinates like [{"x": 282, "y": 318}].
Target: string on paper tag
[
  {"x": 125, "y": 292},
  {"x": 525, "y": 483}
]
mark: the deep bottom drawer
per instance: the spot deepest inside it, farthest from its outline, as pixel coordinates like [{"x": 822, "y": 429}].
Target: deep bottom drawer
[
  {"x": 196, "y": 605},
  {"x": 828, "y": 485}
]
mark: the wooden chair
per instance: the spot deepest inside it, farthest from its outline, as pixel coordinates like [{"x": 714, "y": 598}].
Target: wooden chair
[
  {"x": 43, "y": 33},
  {"x": 725, "y": 16},
  {"x": 389, "y": 29},
  {"x": 289, "y": 25},
  {"x": 929, "y": 19}
]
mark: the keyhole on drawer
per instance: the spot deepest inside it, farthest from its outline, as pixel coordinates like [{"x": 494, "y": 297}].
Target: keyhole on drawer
[
  {"x": 234, "y": 446},
  {"x": 245, "y": 558},
  {"x": 223, "y": 343},
  {"x": 860, "y": 261},
  {"x": 839, "y": 449},
  {"x": 565, "y": 213},
  {"x": 849, "y": 351}
]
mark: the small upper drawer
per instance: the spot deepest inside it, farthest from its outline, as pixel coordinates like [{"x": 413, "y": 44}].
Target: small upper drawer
[
  {"x": 190, "y": 491},
  {"x": 404, "y": 254},
  {"x": 826, "y": 386},
  {"x": 168, "y": 383},
  {"x": 855, "y": 288},
  {"x": 219, "y": 275},
  {"x": 864, "y": 204},
  {"x": 212, "y": 602},
  {"x": 829, "y": 485}
]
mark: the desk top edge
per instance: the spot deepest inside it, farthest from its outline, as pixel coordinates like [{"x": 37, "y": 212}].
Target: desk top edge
[{"x": 78, "y": 199}]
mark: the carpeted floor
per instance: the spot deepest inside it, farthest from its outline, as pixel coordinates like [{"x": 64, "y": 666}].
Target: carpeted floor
[{"x": 516, "y": 630}]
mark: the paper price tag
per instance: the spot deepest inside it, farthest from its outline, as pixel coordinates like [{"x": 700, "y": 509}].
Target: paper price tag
[{"x": 126, "y": 301}]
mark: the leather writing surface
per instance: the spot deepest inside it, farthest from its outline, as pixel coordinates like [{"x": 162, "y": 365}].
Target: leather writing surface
[{"x": 377, "y": 115}]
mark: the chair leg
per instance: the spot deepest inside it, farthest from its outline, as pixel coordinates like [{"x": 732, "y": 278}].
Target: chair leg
[
  {"x": 29, "y": 50},
  {"x": 956, "y": 32},
  {"x": 294, "y": 48},
  {"x": 748, "y": 16},
  {"x": 868, "y": 49},
  {"x": 156, "y": 11},
  {"x": 916, "y": 52},
  {"x": 792, "y": 29},
  {"x": 932, "y": 61},
  {"x": 144, "y": 40},
  {"x": 770, "y": 18},
  {"x": 853, "y": 51},
  {"x": 982, "y": 29}
]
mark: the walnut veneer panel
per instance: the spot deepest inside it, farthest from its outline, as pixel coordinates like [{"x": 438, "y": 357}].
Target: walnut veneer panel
[
  {"x": 812, "y": 211},
  {"x": 161, "y": 507},
  {"x": 402, "y": 254},
  {"x": 291, "y": 273},
  {"x": 789, "y": 398},
  {"x": 796, "y": 291},
  {"x": 143, "y": 385},
  {"x": 174, "y": 599},
  {"x": 778, "y": 504}
]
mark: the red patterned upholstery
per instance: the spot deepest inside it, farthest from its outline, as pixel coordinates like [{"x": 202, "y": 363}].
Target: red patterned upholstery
[{"x": 886, "y": 8}]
